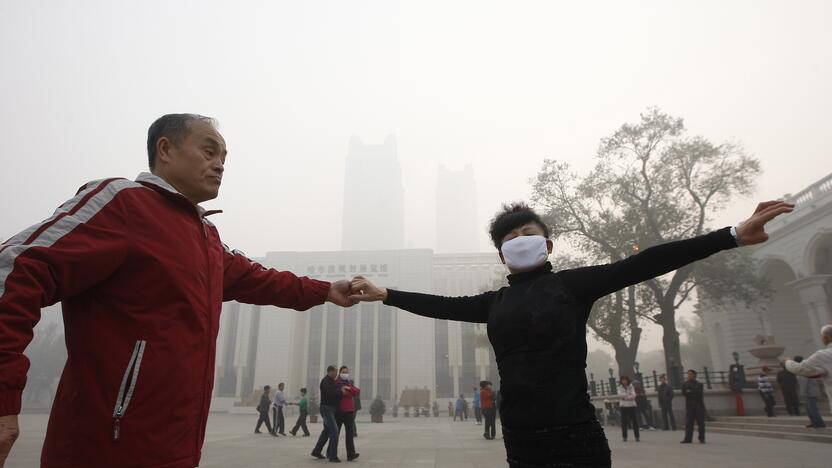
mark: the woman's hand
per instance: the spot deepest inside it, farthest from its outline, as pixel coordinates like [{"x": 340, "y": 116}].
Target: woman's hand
[
  {"x": 365, "y": 291},
  {"x": 752, "y": 230}
]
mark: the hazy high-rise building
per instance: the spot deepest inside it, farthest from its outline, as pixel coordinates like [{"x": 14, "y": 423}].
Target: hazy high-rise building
[
  {"x": 456, "y": 211},
  {"x": 373, "y": 205}
]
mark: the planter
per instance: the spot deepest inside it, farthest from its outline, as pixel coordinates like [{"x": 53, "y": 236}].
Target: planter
[
  {"x": 313, "y": 419},
  {"x": 377, "y": 418}
]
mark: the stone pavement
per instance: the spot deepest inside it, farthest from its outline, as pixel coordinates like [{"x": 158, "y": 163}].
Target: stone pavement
[{"x": 441, "y": 443}]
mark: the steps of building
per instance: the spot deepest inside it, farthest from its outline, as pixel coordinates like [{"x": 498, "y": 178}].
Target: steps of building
[
  {"x": 774, "y": 434},
  {"x": 790, "y": 428}
]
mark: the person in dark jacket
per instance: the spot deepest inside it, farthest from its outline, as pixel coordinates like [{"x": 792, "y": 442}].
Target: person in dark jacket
[
  {"x": 331, "y": 394},
  {"x": 694, "y": 393},
  {"x": 788, "y": 386},
  {"x": 665, "y": 393},
  {"x": 263, "y": 410},
  {"x": 537, "y": 327}
]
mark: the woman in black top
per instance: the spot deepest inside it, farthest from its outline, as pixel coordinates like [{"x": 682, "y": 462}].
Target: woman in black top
[{"x": 537, "y": 326}]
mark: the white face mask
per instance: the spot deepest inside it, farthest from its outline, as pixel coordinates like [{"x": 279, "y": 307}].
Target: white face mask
[
  {"x": 525, "y": 252},
  {"x": 345, "y": 376}
]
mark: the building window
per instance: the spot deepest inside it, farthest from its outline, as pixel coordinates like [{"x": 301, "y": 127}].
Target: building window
[
  {"x": 314, "y": 373},
  {"x": 350, "y": 325},
  {"x": 444, "y": 383},
  {"x": 385, "y": 353},
  {"x": 333, "y": 317},
  {"x": 367, "y": 338}
]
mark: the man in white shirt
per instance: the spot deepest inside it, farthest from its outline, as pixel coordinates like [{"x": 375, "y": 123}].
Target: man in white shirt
[
  {"x": 277, "y": 409},
  {"x": 819, "y": 364}
]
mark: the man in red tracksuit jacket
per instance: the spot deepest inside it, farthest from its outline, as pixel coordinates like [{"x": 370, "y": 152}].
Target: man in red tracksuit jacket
[{"x": 141, "y": 274}]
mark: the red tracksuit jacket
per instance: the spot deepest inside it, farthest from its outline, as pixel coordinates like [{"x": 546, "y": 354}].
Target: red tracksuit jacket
[{"x": 141, "y": 275}]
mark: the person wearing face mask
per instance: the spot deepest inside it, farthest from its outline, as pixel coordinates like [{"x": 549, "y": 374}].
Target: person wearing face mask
[
  {"x": 345, "y": 415},
  {"x": 537, "y": 327}
]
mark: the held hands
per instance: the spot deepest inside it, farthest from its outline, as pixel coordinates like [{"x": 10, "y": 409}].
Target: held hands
[
  {"x": 362, "y": 290},
  {"x": 339, "y": 294},
  {"x": 752, "y": 230}
]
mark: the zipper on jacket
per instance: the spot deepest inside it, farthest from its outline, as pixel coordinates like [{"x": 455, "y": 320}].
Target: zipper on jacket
[{"x": 128, "y": 384}]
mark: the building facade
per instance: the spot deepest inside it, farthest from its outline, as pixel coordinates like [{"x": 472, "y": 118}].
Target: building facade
[
  {"x": 373, "y": 178},
  {"x": 797, "y": 260},
  {"x": 386, "y": 349}
]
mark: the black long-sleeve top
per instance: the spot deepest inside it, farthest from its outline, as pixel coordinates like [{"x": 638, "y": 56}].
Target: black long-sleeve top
[
  {"x": 330, "y": 393},
  {"x": 537, "y": 326},
  {"x": 694, "y": 393}
]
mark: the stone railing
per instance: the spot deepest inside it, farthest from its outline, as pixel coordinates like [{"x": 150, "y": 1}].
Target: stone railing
[{"x": 806, "y": 200}]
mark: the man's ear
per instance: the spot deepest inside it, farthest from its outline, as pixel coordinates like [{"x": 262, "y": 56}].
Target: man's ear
[
  {"x": 164, "y": 148},
  {"x": 550, "y": 245}
]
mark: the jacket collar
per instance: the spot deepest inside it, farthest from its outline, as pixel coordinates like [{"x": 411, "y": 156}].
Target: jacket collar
[
  {"x": 527, "y": 275},
  {"x": 162, "y": 186}
]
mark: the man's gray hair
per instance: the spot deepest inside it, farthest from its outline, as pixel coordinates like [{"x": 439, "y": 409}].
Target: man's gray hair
[
  {"x": 826, "y": 331},
  {"x": 174, "y": 127}
]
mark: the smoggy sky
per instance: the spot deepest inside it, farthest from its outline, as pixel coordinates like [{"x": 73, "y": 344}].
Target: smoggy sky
[{"x": 502, "y": 85}]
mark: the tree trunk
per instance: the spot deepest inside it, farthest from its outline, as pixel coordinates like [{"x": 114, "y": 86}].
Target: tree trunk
[
  {"x": 625, "y": 357},
  {"x": 672, "y": 347}
]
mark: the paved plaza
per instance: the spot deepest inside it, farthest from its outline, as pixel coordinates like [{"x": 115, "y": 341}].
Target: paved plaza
[{"x": 441, "y": 443}]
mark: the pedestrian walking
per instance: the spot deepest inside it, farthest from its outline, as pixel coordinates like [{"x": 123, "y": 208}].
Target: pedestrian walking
[
  {"x": 460, "y": 406},
  {"x": 345, "y": 415},
  {"x": 263, "y": 411},
  {"x": 694, "y": 393},
  {"x": 303, "y": 408},
  {"x": 277, "y": 410},
  {"x": 331, "y": 394},
  {"x": 788, "y": 387},
  {"x": 628, "y": 406},
  {"x": 810, "y": 389},
  {"x": 451, "y": 410},
  {"x": 489, "y": 410},
  {"x": 665, "y": 393},
  {"x": 477, "y": 407},
  {"x": 645, "y": 410},
  {"x": 766, "y": 391}
]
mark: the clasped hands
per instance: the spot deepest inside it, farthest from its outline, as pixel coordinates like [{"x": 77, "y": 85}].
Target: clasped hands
[{"x": 347, "y": 293}]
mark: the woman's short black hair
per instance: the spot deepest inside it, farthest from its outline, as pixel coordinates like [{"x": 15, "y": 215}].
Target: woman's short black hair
[
  {"x": 623, "y": 378},
  {"x": 511, "y": 217},
  {"x": 342, "y": 368}
]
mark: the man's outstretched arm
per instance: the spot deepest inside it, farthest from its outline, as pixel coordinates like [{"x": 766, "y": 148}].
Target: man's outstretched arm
[{"x": 251, "y": 283}]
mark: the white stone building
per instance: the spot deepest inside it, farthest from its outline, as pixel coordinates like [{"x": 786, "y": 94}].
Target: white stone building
[
  {"x": 798, "y": 260},
  {"x": 386, "y": 349}
]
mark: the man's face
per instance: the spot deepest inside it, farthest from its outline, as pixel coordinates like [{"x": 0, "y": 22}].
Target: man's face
[
  {"x": 195, "y": 165},
  {"x": 280, "y": 387},
  {"x": 332, "y": 374},
  {"x": 664, "y": 380},
  {"x": 691, "y": 376}
]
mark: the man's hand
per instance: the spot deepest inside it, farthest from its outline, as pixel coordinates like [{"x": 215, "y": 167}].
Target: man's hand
[
  {"x": 9, "y": 431},
  {"x": 365, "y": 291},
  {"x": 339, "y": 294},
  {"x": 752, "y": 230}
]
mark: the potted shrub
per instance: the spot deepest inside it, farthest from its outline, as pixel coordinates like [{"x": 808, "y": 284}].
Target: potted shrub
[
  {"x": 314, "y": 409},
  {"x": 377, "y": 410}
]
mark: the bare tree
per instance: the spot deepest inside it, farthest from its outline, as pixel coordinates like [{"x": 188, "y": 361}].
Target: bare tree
[{"x": 651, "y": 184}]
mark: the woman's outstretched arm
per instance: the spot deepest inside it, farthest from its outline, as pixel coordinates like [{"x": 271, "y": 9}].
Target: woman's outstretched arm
[
  {"x": 462, "y": 309},
  {"x": 593, "y": 282}
]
